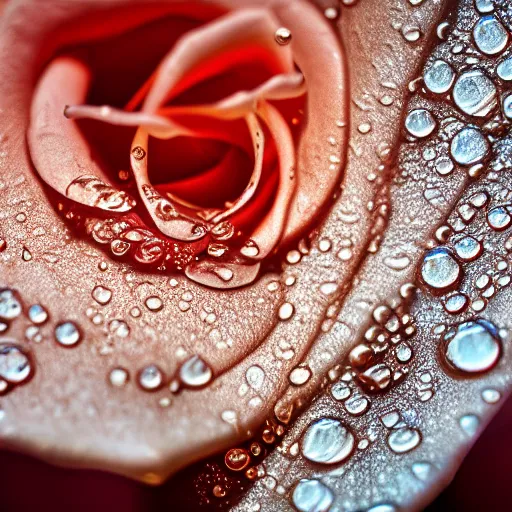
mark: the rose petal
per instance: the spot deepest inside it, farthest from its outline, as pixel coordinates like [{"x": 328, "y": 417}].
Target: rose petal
[{"x": 57, "y": 143}]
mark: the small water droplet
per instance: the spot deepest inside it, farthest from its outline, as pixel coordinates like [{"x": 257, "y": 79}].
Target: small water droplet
[
  {"x": 67, "y": 334},
  {"x": 475, "y": 94},
  {"x": 404, "y": 439},
  {"x": 439, "y": 77},
  {"x": 490, "y": 35},
  {"x": 118, "y": 377},
  {"x": 195, "y": 373},
  {"x": 300, "y": 375},
  {"x": 283, "y": 36},
  {"x": 411, "y": 33},
  {"x": 255, "y": 377},
  {"x": 151, "y": 378},
  {"x": 312, "y": 496},
  {"x": 469, "y": 423},
  {"x": 469, "y": 146},
  {"x": 504, "y": 69},
  {"x": 420, "y": 123},
  {"x": 10, "y": 305},
  {"x": 286, "y": 311},
  {"x": 491, "y": 396},
  {"x": 440, "y": 270},
  {"x": 327, "y": 441},
  {"x": 154, "y": 303},
  {"x": 15, "y": 366},
  {"x": 484, "y": 6},
  {"x": 357, "y": 405},
  {"x": 468, "y": 248},
  {"x": 474, "y": 348},
  {"x": 499, "y": 218},
  {"x": 101, "y": 295},
  {"x": 422, "y": 470}
]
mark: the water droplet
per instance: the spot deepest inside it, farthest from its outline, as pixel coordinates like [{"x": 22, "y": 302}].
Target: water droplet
[
  {"x": 384, "y": 507},
  {"x": 37, "y": 314},
  {"x": 491, "y": 396},
  {"x": 504, "y": 69},
  {"x": 340, "y": 391},
  {"x": 499, "y": 218},
  {"x": 376, "y": 378},
  {"x": 312, "y": 496},
  {"x": 151, "y": 378},
  {"x": 404, "y": 439},
  {"x": 237, "y": 459},
  {"x": 440, "y": 270},
  {"x": 331, "y": 13},
  {"x": 399, "y": 262},
  {"x": 26, "y": 254},
  {"x": 327, "y": 441},
  {"x": 469, "y": 146},
  {"x": 283, "y": 36},
  {"x": 255, "y": 377},
  {"x": 328, "y": 288},
  {"x": 10, "y": 305},
  {"x": 422, "y": 470},
  {"x": 67, "y": 334},
  {"x": 507, "y": 106},
  {"x": 154, "y": 303},
  {"x": 484, "y": 6},
  {"x": 300, "y": 375},
  {"x": 403, "y": 352},
  {"x": 101, "y": 295},
  {"x": 474, "y": 348},
  {"x": 420, "y": 123},
  {"x": 15, "y": 365},
  {"x": 475, "y": 94},
  {"x": 119, "y": 328},
  {"x": 456, "y": 303},
  {"x": 468, "y": 248},
  {"x": 195, "y": 373},
  {"x": 118, "y": 377},
  {"x": 439, "y": 77},
  {"x": 469, "y": 424},
  {"x": 357, "y": 405},
  {"x": 444, "y": 165},
  {"x": 250, "y": 249},
  {"x": 490, "y": 35},
  {"x": 411, "y": 33},
  {"x": 286, "y": 311}
]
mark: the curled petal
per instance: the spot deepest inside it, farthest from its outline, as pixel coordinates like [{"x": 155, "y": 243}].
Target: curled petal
[
  {"x": 57, "y": 143},
  {"x": 166, "y": 215},
  {"x": 204, "y": 52}
]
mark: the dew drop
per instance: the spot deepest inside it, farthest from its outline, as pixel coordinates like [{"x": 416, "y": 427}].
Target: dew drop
[
  {"x": 357, "y": 405},
  {"x": 468, "y": 248},
  {"x": 37, "y": 314},
  {"x": 67, "y": 334},
  {"x": 499, "y": 218},
  {"x": 439, "y": 77},
  {"x": 101, "y": 295},
  {"x": 404, "y": 439},
  {"x": 15, "y": 365},
  {"x": 491, "y": 396},
  {"x": 340, "y": 391},
  {"x": 312, "y": 496},
  {"x": 475, "y": 94},
  {"x": 327, "y": 441},
  {"x": 504, "y": 69},
  {"x": 255, "y": 377},
  {"x": 469, "y": 423},
  {"x": 411, "y": 33},
  {"x": 490, "y": 35},
  {"x": 376, "y": 378},
  {"x": 444, "y": 165},
  {"x": 10, "y": 305},
  {"x": 484, "y": 6},
  {"x": 195, "y": 373},
  {"x": 439, "y": 269},
  {"x": 422, "y": 470},
  {"x": 469, "y": 146},
  {"x": 286, "y": 311},
  {"x": 300, "y": 375},
  {"x": 474, "y": 348},
  {"x": 118, "y": 377},
  {"x": 283, "y": 36},
  {"x": 420, "y": 123},
  {"x": 237, "y": 459},
  {"x": 507, "y": 106},
  {"x": 154, "y": 303},
  {"x": 456, "y": 303},
  {"x": 151, "y": 378}
]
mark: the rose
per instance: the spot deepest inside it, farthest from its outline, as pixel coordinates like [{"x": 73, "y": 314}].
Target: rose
[{"x": 224, "y": 133}]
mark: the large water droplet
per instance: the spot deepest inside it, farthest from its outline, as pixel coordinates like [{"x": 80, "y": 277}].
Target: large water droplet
[
  {"x": 404, "y": 439},
  {"x": 474, "y": 348},
  {"x": 469, "y": 146},
  {"x": 327, "y": 441},
  {"x": 439, "y": 77},
  {"x": 440, "y": 269},
  {"x": 67, "y": 334},
  {"x": 15, "y": 365},
  {"x": 475, "y": 94},
  {"x": 195, "y": 373},
  {"x": 420, "y": 123},
  {"x": 10, "y": 305},
  {"x": 312, "y": 496},
  {"x": 490, "y": 35}
]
